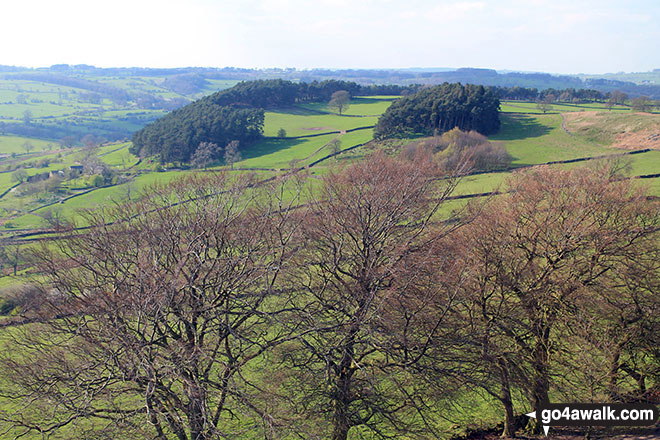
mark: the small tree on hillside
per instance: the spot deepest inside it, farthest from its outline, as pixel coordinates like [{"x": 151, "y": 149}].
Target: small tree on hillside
[
  {"x": 68, "y": 141},
  {"x": 89, "y": 141},
  {"x": 340, "y": 100},
  {"x": 232, "y": 155},
  {"x": 545, "y": 104},
  {"x": 27, "y": 116},
  {"x": 335, "y": 146},
  {"x": 619, "y": 97},
  {"x": 27, "y": 146},
  {"x": 19, "y": 176}
]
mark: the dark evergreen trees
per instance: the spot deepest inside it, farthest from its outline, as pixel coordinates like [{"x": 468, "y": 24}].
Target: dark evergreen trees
[
  {"x": 176, "y": 136},
  {"x": 438, "y": 109}
]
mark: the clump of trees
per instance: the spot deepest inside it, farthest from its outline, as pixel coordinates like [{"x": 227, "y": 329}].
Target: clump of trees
[
  {"x": 206, "y": 153},
  {"x": 369, "y": 309},
  {"x": 563, "y": 95},
  {"x": 542, "y": 265},
  {"x": 438, "y": 109},
  {"x": 642, "y": 104},
  {"x": 176, "y": 136},
  {"x": 455, "y": 147}
]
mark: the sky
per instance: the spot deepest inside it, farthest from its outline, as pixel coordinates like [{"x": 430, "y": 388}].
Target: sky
[{"x": 557, "y": 36}]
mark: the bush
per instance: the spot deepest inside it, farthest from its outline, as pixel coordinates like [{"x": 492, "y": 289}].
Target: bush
[
  {"x": 455, "y": 147},
  {"x": 97, "y": 180}
]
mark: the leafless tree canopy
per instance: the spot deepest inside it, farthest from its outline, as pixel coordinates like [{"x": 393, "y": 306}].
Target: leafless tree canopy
[
  {"x": 156, "y": 312},
  {"x": 221, "y": 307}
]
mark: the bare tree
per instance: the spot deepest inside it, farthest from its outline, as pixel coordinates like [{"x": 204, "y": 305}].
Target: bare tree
[
  {"x": 340, "y": 100},
  {"x": 619, "y": 97},
  {"x": 13, "y": 255},
  {"x": 364, "y": 228},
  {"x": 89, "y": 141},
  {"x": 335, "y": 146},
  {"x": 532, "y": 257},
  {"x": 642, "y": 104},
  {"x": 545, "y": 104},
  {"x": 27, "y": 116},
  {"x": 618, "y": 327},
  {"x": 232, "y": 155},
  {"x": 161, "y": 307}
]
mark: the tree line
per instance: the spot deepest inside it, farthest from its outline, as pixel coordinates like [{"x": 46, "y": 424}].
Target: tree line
[
  {"x": 565, "y": 95},
  {"x": 215, "y": 307},
  {"x": 435, "y": 110}
]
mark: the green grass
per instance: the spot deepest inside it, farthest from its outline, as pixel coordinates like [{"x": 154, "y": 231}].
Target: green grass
[
  {"x": 117, "y": 155},
  {"x": 299, "y": 122},
  {"x": 278, "y": 153},
  {"x": 14, "y": 144},
  {"x": 5, "y": 182},
  {"x": 359, "y": 106},
  {"x": 534, "y": 139},
  {"x": 531, "y": 107}
]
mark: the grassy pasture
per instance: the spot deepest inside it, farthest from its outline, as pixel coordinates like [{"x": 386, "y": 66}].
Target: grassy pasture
[
  {"x": 14, "y": 144},
  {"x": 533, "y": 139},
  {"x": 630, "y": 130},
  {"x": 299, "y": 122},
  {"x": 278, "y": 153},
  {"x": 359, "y": 106},
  {"x": 531, "y": 107}
]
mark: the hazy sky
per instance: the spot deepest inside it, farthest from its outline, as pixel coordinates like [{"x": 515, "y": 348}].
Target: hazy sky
[{"x": 561, "y": 36}]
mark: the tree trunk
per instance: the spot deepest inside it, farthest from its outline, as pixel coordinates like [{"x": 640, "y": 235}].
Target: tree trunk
[
  {"x": 614, "y": 368},
  {"x": 341, "y": 417},
  {"x": 505, "y": 397},
  {"x": 342, "y": 398},
  {"x": 195, "y": 413},
  {"x": 541, "y": 380}
]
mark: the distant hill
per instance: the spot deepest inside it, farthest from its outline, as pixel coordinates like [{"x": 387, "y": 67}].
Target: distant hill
[{"x": 192, "y": 80}]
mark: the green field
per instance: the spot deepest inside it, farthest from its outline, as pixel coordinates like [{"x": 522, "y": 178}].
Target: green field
[
  {"x": 532, "y": 107},
  {"x": 15, "y": 144},
  {"x": 298, "y": 122}
]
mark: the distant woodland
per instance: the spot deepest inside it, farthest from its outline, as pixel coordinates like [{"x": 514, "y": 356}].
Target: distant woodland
[{"x": 441, "y": 108}]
